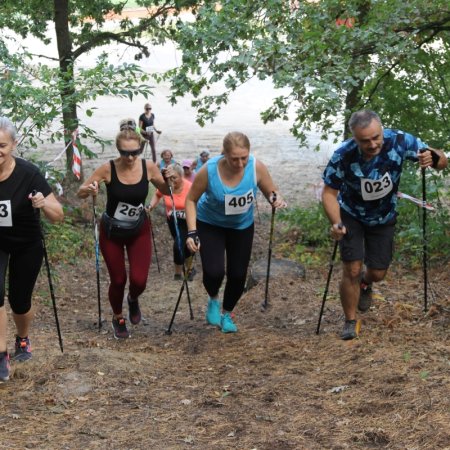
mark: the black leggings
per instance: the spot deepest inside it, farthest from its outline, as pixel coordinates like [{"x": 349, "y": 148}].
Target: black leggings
[
  {"x": 24, "y": 266},
  {"x": 215, "y": 242},
  {"x": 178, "y": 257}
]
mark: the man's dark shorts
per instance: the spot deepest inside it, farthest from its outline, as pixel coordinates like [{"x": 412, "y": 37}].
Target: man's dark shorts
[{"x": 374, "y": 245}]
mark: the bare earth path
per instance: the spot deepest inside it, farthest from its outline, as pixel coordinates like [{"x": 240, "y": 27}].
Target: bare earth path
[{"x": 273, "y": 385}]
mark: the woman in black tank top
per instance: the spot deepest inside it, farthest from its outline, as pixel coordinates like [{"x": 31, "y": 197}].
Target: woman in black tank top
[{"x": 126, "y": 179}]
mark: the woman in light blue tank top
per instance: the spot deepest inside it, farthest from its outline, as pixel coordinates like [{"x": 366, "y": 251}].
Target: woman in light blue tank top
[{"x": 219, "y": 215}]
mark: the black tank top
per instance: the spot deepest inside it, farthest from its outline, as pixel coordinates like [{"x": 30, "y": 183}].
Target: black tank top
[{"x": 131, "y": 194}]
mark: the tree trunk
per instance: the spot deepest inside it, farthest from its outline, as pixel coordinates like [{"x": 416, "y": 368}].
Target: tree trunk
[
  {"x": 66, "y": 75},
  {"x": 353, "y": 97},
  {"x": 352, "y": 103}
]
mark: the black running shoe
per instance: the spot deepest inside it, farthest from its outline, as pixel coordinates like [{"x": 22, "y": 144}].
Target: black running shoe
[
  {"x": 120, "y": 328},
  {"x": 349, "y": 331},
  {"x": 191, "y": 274},
  {"x": 4, "y": 366},
  {"x": 23, "y": 349},
  {"x": 134, "y": 312},
  {"x": 365, "y": 297}
]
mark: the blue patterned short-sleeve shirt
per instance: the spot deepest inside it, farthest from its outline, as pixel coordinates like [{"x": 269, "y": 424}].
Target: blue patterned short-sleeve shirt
[{"x": 367, "y": 189}]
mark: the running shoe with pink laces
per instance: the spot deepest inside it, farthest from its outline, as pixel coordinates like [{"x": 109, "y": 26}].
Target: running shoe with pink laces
[{"x": 23, "y": 349}]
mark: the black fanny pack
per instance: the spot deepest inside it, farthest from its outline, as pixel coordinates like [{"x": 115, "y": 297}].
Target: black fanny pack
[{"x": 115, "y": 228}]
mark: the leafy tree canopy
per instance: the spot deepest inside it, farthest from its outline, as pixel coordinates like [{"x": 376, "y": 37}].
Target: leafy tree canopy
[
  {"x": 35, "y": 95},
  {"x": 331, "y": 56}
]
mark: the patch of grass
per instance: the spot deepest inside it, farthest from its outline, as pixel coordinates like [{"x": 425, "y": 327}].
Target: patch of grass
[
  {"x": 67, "y": 242},
  {"x": 307, "y": 229}
]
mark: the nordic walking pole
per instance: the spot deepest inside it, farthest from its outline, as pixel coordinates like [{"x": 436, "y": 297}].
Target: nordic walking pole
[
  {"x": 180, "y": 249},
  {"x": 50, "y": 284},
  {"x": 153, "y": 240},
  {"x": 424, "y": 237},
  {"x": 269, "y": 256},
  {"x": 97, "y": 260},
  {"x": 325, "y": 293},
  {"x": 185, "y": 284}
]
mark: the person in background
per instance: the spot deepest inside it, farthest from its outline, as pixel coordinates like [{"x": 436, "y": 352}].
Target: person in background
[
  {"x": 219, "y": 214},
  {"x": 24, "y": 193},
  {"x": 359, "y": 198},
  {"x": 166, "y": 159},
  {"x": 148, "y": 128},
  {"x": 124, "y": 225},
  {"x": 200, "y": 161},
  {"x": 180, "y": 189},
  {"x": 188, "y": 172}
]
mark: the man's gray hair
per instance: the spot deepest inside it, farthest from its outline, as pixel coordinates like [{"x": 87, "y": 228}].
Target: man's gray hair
[
  {"x": 362, "y": 119},
  {"x": 7, "y": 126}
]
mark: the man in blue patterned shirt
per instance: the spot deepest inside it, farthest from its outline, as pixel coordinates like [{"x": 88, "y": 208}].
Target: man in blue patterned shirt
[{"x": 359, "y": 198}]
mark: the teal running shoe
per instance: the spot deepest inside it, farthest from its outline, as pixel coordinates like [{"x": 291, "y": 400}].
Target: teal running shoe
[
  {"x": 227, "y": 324},
  {"x": 213, "y": 312}
]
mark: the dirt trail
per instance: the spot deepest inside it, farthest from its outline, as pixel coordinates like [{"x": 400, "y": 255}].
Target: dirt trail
[{"x": 273, "y": 385}]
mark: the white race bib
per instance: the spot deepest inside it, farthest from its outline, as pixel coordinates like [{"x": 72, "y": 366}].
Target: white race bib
[
  {"x": 127, "y": 212},
  {"x": 180, "y": 214},
  {"x": 5, "y": 213},
  {"x": 376, "y": 189},
  {"x": 238, "y": 204},
  {"x": 150, "y": 129}
]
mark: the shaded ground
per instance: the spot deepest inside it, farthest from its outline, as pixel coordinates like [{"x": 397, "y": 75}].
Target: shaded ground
[{"x": 273, "y": 385}]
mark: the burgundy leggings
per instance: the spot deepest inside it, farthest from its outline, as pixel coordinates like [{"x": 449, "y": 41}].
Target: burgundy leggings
[{"x": 139, "y": 251}]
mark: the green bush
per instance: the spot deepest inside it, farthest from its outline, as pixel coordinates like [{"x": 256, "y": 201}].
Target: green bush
[
  {"x": 308, "y": 228},
  {"x": 69, "y": 241}
]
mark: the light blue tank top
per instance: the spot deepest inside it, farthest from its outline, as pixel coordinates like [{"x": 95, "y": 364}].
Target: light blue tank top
[{"x": 228, "y": 207}]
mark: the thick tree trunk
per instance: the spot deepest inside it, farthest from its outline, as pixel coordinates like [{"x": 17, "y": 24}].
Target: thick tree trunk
[
  {"x": 66, "y": 74},
  {"x": 352, "y": 103},
  {"x": 353, "y": 97}
]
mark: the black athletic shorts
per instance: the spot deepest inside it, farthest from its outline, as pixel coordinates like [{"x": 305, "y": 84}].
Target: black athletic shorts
[{"x": 372, "y": 244}]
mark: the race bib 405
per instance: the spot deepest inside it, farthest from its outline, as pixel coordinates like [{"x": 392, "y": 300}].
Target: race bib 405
[{"x": 238, "y": 204}]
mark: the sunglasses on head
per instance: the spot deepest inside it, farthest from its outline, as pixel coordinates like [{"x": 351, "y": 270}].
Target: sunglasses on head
[
  {"x": 127, "y": 153},
  {"x": 128, "y": 126}
]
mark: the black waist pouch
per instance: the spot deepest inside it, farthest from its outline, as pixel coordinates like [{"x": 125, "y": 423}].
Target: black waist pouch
[{"x": 115, "y": 228}]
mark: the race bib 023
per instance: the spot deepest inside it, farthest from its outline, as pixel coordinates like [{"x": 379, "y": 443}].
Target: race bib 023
[
  {"x": 5, "y": 213},
  {"x": 125, "y": 211},
  {"x": 376, "y": 189},
  {"x": 238, "y": 204}
]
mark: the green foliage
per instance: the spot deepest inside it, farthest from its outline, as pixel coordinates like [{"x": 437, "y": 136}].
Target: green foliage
[
  {"x": 308, "y": 234},
  {"x": 37, "y": 96},
  {"x": 67, "y": 242},
  {"x": 308, "y": 228},
  {"x": 392, "y": 56},
  {"x": 409, "y": 234}
]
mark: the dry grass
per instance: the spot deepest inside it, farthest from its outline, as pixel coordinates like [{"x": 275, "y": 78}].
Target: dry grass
[{"x": 273, "y": 385}]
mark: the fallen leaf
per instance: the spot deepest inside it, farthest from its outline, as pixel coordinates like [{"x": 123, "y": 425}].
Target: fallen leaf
[{"x": 337, "y": 389}]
